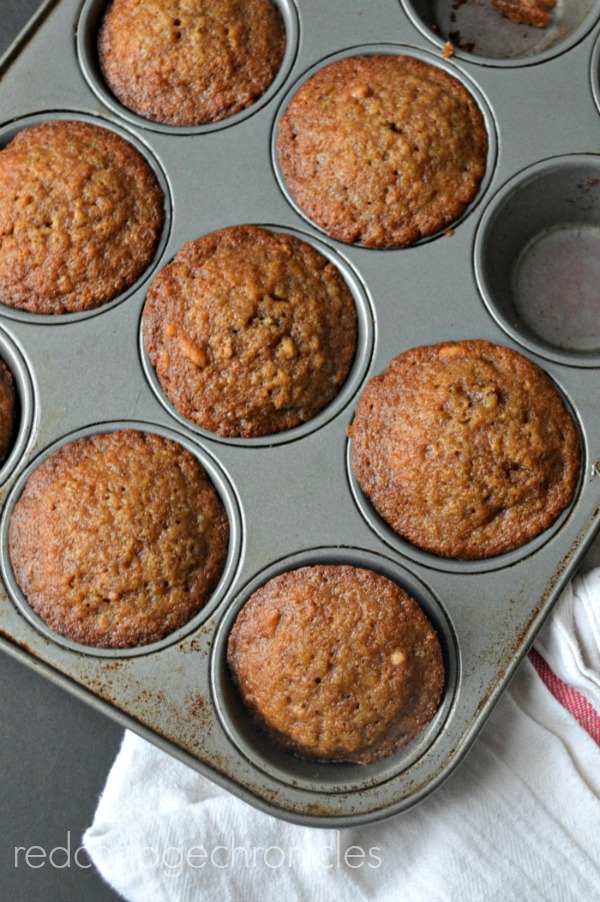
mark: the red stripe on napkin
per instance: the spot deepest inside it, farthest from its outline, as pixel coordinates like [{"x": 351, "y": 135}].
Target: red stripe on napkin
[{"x": 569, "y": 698}]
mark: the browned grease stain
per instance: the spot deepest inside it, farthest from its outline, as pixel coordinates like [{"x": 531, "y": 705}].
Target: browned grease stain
[
  {"x": 23, "y": 645},
  {"x": 588, "y": 184}
]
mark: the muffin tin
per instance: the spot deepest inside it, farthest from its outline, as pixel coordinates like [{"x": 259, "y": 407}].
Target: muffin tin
[{"x": 292, "y": 499}]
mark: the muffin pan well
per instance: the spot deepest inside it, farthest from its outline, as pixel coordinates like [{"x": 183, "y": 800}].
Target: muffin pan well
[
  {"x": 396, "y": 49},
  {"x": 219, "y": 482},
  {"x": 10, "y": 129},
  {"x": 291, "y": 499},
  {"x": 495, "y": 39},
  {"x": 90, "y": 22},
  {"x": 537, "y": 258},
  {"x": 364, "y": 350},
  {"x": 312, "y": 775}
]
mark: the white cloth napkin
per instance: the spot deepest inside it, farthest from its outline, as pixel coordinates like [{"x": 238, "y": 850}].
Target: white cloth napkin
[{"x": 519, "y": 819}]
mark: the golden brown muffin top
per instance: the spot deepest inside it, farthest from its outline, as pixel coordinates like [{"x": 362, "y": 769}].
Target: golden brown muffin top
[
  {"x": 81, "y": 213},
  {"x": 465, "y": 448},
  {"x": 382, "y": 149},
  {"x": 337, "y": 662},
  {"x": 118, "y": 539},
  {"x": 189, "y": 62},
  {"x": 251, "y": 332}
]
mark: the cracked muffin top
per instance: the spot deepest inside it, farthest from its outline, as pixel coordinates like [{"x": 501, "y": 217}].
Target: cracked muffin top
[
  {"x": 382, "y": 150},
  {"x": 81, "y": 214},
  {"x": 251, "y": 332},
  {"x": 189, "y": 63},
  {"x": 465, "y": 448}
]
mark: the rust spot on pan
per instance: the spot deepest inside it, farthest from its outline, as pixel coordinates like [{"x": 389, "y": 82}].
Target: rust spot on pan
[{"x": 13, "y": 641}]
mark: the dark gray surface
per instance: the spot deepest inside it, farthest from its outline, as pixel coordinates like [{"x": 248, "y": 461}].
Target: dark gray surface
[
  {"x": 55, "y": 751},
  {"x": 14, "y": 15}
]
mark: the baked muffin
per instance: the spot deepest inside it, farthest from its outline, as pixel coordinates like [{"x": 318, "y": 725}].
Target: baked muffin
[
  {"x": 251, "y": 332},
  {"x": 190, "y": 63},
  {"x": 382, "y": 149},
  {"x": 336, "y": 663},
  {"x": 526, "y": 12},
  {"x": 118, "y": 539},
  {"x": 81, "y": 213},
  {"x": 465, "y": 448},
  {"x": 8, "y": 404}
]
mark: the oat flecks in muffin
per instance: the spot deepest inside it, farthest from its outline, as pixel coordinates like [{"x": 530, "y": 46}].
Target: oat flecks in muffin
[
  {"x": 465, "y": 448},
  {"x": 336, "y": 663},
  {"x": 382, "y": 149},
  {"x": 81, "y": 214},
  {"x": 251, "y": 332},
  {"x": 191, "y": 63},
  {"x": 8, "y": 414},
  {"x": 118, "y": 539}
]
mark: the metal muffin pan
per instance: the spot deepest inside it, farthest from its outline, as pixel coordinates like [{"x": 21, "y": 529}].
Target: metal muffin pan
[{"x": 292, "y": 498}]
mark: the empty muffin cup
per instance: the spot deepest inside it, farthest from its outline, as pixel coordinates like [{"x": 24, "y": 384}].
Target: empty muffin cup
[
  {"x": 477, "y": 30},
  {"x": 537, "y": 259}
]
